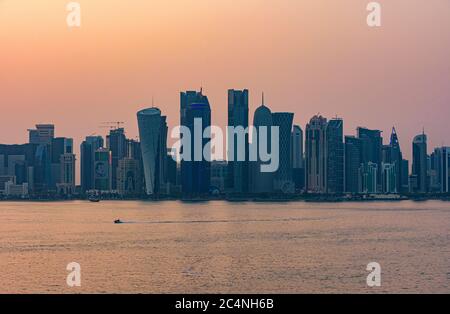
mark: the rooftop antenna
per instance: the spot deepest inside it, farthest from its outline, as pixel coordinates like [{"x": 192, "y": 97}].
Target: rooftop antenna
[
  {"x": 153, "y": 102},
  {"x": 263, "y": 99}
]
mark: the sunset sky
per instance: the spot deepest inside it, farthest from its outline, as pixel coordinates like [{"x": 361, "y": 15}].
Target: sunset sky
[{"x": 308, "y": 56}]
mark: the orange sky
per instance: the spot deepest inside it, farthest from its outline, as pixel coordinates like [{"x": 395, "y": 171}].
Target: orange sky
[{"x": 308, "y": 56}]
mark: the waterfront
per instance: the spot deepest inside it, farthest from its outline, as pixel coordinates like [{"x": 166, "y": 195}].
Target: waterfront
[{"x": 220, "y": 247}]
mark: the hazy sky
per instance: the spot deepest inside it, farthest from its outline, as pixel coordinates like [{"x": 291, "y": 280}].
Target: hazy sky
[{"x": 308, "y": 56}]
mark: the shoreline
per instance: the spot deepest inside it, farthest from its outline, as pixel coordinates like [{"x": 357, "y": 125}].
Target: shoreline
[{"x": 310, "y": 199}]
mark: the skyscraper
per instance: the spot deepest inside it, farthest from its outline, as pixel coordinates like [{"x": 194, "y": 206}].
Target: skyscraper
[
  {"x": 389, "y": 178},
  {"x": 116, "y": 142},
  {"x": 368, "y": 173},
  {"x": 297, "y": 147},
  {"x": 102, "y": 170},
  {"x": 128, "y": 177},
  {"x": 316, "y": 155},
  {"x": 334, "y": 151},
  {"x": 419, "y": 166},
  {"x": 298, "y": 167},
  {"x": 238, "y": 170},
  {"x": 261, "y": 182},
  {"x": 283, "y": 176},
  {"x": 394, "y": 157},
  {"x": 444, "y": 169},
  {"x": 43, "y": 134},
  {"x": 66, "y": 183},
  {"x": 372, "y": 143},
  {"x": 195, "y": 174},
  {"x": 87, "y": 149},
  {"x": 59, "y": 147},
  {"x": 153, "y": 135},
  {"x": 353, "y": 147}
]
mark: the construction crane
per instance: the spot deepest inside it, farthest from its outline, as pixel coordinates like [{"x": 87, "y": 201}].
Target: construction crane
[{"x": 113, "y": 125}]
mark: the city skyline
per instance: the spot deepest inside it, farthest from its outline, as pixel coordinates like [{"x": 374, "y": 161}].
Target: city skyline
[
  {"x": 316, "y": 56},
  {"x": 333, "y": 163}
]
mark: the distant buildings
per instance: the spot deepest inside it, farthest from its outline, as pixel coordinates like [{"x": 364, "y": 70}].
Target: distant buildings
[
  {"x": 353, "y": 161},
  {"x": 329, "y": 162},
  {"x": 368, "y": 178},
  {"x": 262, "y": 182},
  {"x": 196, "y": 116},
  {"x": 283, "y": 176},
  {"x": 372, "y": 144},
  {"x": 87, "y": 150},
  {"x": 419, "y": 165},
  {"x": 116, "y": 142},
  {"x": 316, "y": 155},
  {"x": 334, "y": 152},
  {"x": 444, "y": 169},
  {"x": 153, "y": 135},
  {"x": 238, "y": 165},
  {"x": 298, "y": 162},
  {"x": 102, "y": 170}
]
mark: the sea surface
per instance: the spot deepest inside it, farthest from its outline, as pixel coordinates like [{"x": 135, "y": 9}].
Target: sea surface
[{"x": 221, "y": 247}]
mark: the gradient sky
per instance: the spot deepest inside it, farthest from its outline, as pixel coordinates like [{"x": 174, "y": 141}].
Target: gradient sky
[{"x": 308, "y": 56}]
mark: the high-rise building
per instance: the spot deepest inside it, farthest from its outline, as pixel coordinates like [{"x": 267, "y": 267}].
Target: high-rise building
[
  {"x": 392, "y": 154},
  {"x": 129, "y": 182},
  {"x": 59, "y": 147},
  {"x": 66, "y": 183},
  {"x": 19, "y": 161},
  {"x": 368, "y": 178},
  {"x": 102, "y": 170},
  {"x": 261, "y": 182},
  {"x": 88, "y": 148},
  {"x": 283, "y": 176},
  {"x": 153, "y": 135},
  {"x": 297, "y": 147},
  {"x": 196, "y": 172},
  {"x": 353, "y": 151},
  {"x": 389, "y": 178},
  {"x": 116, "y": 142},
  {"x": 316, "y": 155},
  {"x": 219, "y": 175},
  {"x": 419, "y": 166},
  {"x": 238, "y": 168},
  {"x": 372, "y": 144},
  {"x": 298, "y": 165},
  {"x": 334, "y": 152},
  {"x": 405, "y": 176},
  {"x": 43, "y": 134},
  {"x": 444, "y": 169}
]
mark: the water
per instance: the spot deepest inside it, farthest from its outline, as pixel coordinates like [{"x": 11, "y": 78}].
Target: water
[{"x": 220, "y": 247}]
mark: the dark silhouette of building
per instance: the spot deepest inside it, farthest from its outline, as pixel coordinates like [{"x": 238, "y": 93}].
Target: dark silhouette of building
[
  {"x": 353, "y": 151},
  {"x": 419, "y": 165},
  {"x": 372, "y": 144},
  {"x": 315, "y": 151},
  {"x": 116, "y": 142},
  {"x": 238, "y": 164},
  {"x": 334, "y": 156},
  {"x": 196, "y": 172},
  {"x": 87, "y": 150},
  {"x": 283, "y": 176}
]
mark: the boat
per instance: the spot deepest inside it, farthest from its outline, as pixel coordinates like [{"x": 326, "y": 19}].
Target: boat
[
  {"x": 118, "y": 221},
  {"x": 94, "y": 197}
]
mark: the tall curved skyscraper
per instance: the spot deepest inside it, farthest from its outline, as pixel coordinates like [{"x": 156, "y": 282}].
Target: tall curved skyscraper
[{"x": 153, "y": 136}]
